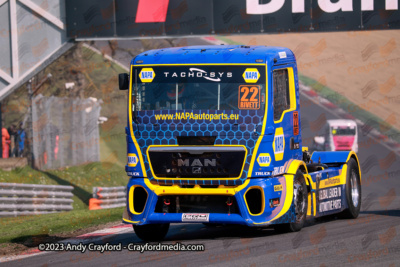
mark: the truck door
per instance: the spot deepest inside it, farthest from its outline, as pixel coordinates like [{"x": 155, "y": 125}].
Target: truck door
[{"x": 286, "y": 115}]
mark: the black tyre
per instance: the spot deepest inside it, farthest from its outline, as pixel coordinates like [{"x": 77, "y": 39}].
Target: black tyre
[
  {"x": 151, "y": 232},
  {"x": 352, "y": 191},
  {"x": 300, "y": 202}
]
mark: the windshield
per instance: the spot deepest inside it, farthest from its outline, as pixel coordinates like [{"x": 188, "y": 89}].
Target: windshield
[
  {"x": 343, "y": 130},
  {"x": 199, "y": 88}
]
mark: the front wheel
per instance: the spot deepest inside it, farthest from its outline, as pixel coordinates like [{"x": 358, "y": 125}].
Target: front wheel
[
  {"x": 151, "y": 232},
  {"x": 300, "y": 204},
  {"x": 353, "y": 191}
]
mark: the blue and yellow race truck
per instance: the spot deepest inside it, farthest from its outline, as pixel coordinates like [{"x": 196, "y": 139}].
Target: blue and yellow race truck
[{"x": 214, "y": 137}]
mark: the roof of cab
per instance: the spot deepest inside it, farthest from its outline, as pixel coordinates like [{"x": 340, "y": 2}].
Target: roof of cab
[
  {"x": 341, "y": 122},
  {"x": 213, "y": 54}
]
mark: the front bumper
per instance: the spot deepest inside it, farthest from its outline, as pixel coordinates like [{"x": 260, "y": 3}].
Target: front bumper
[{"x": 272, "y": 188}]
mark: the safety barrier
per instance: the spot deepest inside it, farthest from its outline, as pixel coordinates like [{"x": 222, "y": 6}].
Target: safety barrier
[
  {"x": 108, "y": 197},
  {"x": 33, "y": 199}
]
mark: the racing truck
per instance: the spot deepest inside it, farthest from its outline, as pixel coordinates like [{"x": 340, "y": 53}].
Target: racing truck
[{"x": 214, "y": 137}]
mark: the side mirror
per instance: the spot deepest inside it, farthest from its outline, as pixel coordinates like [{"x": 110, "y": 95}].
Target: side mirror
[{"x": 123, "y": 79}]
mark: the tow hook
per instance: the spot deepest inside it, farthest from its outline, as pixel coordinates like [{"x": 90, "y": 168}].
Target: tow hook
[
  {"x": 167, "y": 202},
  {"x": 229, "y": 203}
]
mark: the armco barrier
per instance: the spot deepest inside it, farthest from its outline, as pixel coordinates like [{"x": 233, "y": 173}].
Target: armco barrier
[
  {"x": 32, "y": 199},
  {"x": 108, "y": 197}
]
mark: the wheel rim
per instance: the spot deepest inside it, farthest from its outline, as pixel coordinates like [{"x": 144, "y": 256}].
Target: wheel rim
[
  {"x": 299, "y": 201},
  {"x": 354, "y": 189}
]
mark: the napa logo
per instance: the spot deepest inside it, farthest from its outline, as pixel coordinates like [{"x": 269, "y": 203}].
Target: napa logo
[
  {"x": 251, "y": 75},
  {"x": 132, "y": 160},
  {"x": 264, "y": 159},
  {"x": 279, "y": 144},
  {"x": 147, "y": 75}
]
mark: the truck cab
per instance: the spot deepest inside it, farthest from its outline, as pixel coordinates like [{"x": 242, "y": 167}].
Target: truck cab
[{"x": 214, "y": 136}]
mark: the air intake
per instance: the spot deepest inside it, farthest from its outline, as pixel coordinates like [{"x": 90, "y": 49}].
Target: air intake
[
  {"x": 139, "y": 199},
  {"x": 255, "y": 201}
]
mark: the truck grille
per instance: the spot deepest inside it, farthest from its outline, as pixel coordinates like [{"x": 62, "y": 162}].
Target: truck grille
[{"x": 197, "y": 162}]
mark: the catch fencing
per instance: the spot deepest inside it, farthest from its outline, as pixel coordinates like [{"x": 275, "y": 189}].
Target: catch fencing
[
  {"x": 65, "y": 131},
  {"x": 108, "y": 197},
  {"x": 33, "y": 199}
]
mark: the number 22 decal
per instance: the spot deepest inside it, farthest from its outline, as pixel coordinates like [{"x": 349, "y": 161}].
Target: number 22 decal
[{"x": 245, "y": 92}]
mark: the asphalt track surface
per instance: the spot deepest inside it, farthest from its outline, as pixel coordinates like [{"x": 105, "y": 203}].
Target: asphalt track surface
[{"x": 371, "y": 239}]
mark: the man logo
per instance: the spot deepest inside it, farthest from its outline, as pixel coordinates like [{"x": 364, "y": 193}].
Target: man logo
[
  {"x": 264, "y": 159},
  {"x": 147, "y": 75},
  {"x": 197, "y": 162},
  {"x": 279, "y": 144},
  {"x": 251, "y": 75},
  {"x": 196, "y": 170},
  {"x": 132, "y": 160}
]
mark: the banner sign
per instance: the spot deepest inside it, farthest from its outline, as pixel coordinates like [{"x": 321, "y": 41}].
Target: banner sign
[{"x": 93, "y": 19}]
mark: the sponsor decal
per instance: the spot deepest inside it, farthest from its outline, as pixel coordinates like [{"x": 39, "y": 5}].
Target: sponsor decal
[
  {"x": 249, "y": 97},
  {"x": 282, "y": 54},
  {"x": 333, "y": 192},
  {"x": 262, "y": 173},
  {"x": 278, "y": 170},
  {"x": 279, "y": 144},
  {"x": 147, "y": 75},
  {"x": 214, "y": 76},
  {"x": 295, "y": 123},
  {"x": 331, "y": 182},
  {"x": 332, "y": 197},
  {"x": 195, "y": 217},
  {"x": 251, "y": 75},
  {"x": 278, "y": 187},
  {"x": 132, "y": 160},
  {"x": 330, "y": 205},
  {"x": 264, "y": 159},
  {"x": 193, "y": 116},
  {"x": 132, "y": 173}
]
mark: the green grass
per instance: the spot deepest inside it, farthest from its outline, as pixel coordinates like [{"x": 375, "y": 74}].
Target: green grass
[{"x": 31, "y": 230}]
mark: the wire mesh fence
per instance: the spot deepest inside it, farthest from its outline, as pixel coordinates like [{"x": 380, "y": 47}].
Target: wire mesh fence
[{"x": 65, "y": 131}]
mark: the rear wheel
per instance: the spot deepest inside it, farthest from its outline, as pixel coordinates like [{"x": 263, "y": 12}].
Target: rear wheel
[
  {"x": 151, "y": 232},
  {"x": 353, "y": 191},
  {"x": 300, "y": 204}
]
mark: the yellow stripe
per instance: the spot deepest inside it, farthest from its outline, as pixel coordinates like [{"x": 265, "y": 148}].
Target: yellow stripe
[
  {"x": 129, "y": 221},
  {"x": 315, "y": 204},
  {"x": 294, "y": 165},
  {"x": 352, "y": 153},
  {"x": 197, "y": 190},
  {"x": 336, "y": 180},
  {"x": 253, "y": 158}
]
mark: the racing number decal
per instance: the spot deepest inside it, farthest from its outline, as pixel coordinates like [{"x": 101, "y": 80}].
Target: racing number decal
[
  {"x": 249, "y": 97},
  {"x": 295, "y": 123}
]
